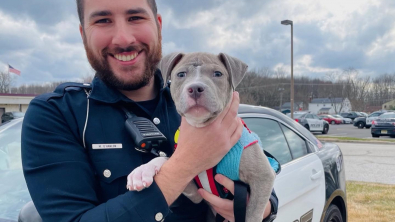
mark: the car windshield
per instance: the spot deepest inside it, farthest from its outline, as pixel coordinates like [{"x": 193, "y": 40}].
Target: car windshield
[
  {"x": 298, "y": 115},
  {"x": 387, "y": 116},
  {"x": 337, "y": 116}
]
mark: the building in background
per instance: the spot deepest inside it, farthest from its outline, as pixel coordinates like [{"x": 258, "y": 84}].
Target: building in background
[
  {"x": 330, "y": 105},
  {"x": 389, "y": 106},
  {"x": 14, "y": 102}
]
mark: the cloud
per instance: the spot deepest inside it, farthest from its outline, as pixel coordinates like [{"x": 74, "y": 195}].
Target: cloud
[{"x": 41, "y": 37}]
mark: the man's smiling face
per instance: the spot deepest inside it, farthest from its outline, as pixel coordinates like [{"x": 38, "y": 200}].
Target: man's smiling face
[{"x": 122, "y": 39}]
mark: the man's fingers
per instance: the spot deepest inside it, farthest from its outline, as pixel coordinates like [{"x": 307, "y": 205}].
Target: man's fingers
[{"x": 226, "y": 182}]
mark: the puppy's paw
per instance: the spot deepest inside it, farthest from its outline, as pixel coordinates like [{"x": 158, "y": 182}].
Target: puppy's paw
[{"x": 143, "y": 176}]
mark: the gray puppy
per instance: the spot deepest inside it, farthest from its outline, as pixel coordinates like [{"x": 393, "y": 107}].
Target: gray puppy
[{"x": 201, "y": 87}]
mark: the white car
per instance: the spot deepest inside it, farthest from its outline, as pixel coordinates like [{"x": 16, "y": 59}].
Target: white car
[
  {"x": 311, "y": 185},
  {"x": 311, "y": 122},
  {"x": 371, "y": 117},
  {"x": 345, "y": 119}
]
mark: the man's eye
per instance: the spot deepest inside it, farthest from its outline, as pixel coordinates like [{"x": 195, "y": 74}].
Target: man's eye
[
  {"x": 103, "y": 21},
  {"x": 217, "y": 74},
  {"x": 182, "y": 74},
  {"x": 135, "y": 18}
]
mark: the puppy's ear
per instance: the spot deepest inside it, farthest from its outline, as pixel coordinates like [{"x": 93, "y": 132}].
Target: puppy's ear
[
  {"x": 236, "y": 68},
  {"x": 167, "y": 64}
]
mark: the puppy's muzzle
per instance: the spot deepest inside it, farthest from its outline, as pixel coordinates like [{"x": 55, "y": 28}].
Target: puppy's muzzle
[{"x": 196, "y": 90}]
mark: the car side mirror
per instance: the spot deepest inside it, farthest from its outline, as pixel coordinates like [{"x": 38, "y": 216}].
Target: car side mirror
[{"x": 29, "y": 213}]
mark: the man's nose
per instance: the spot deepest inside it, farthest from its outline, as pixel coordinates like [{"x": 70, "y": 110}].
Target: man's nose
[{"x": 123, "y": 35}]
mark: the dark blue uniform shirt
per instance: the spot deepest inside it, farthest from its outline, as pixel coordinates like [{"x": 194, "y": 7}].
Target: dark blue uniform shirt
[{"x": 68, "y": 182}]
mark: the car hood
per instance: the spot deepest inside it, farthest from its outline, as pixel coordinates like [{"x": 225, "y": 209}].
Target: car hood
[{"x": 13, "y": 194}]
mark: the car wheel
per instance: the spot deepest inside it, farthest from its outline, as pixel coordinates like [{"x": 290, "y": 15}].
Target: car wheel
[
  {"x": 375, "y": 135},
  {"x": 360, "y": 125},
  {"x": 333, "y": 122},
  {"x": 307, "y": 127},
  {"x": 333, "y": 214},
  {"x": 326, "y": 129}
]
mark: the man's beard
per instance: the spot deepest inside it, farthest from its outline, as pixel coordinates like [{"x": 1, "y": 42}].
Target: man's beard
[{"x": 106, "y": 74}]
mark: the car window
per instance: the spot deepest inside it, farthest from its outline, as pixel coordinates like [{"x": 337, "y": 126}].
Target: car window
[
  {"x": 272, "y": 137},
  {"x": 297, "y": 145},
  {"x": 309, "y": 116},
  {"x": 316, "y": 117},
  {"x": 10, "y": 147}
]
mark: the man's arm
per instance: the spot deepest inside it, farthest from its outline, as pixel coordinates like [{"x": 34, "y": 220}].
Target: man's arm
[
  {"x": 63, "y": 184},
  {"x": 194, "y": 154},
  {"x": 61, "y": 180}
]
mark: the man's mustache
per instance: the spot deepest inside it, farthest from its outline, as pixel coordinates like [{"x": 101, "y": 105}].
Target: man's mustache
[{"x": 119, "y": 50}]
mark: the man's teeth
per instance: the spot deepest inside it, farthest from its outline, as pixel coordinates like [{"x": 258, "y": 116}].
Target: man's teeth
[{"x": 125, "y": 58}]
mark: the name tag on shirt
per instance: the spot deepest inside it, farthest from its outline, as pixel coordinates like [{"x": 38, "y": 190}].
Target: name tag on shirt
[{"x": 106, "y": 146}]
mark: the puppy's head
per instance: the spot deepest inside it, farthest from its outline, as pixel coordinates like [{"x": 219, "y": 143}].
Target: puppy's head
[{"x": 201, "y": 83}]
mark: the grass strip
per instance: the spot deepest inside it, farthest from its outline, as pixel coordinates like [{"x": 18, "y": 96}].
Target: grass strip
[
  {"x": 354, "y": 139},
  {"x": 368, "y": 202}
]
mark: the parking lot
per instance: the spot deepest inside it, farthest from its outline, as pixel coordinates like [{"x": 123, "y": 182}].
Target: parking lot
[{"x": 349, "y": 130}]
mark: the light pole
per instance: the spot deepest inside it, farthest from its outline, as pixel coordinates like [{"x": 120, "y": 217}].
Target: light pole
[{"x": 289, "y": 22}]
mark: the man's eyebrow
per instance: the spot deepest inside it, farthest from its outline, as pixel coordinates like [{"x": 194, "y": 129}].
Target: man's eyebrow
[
  {"x": 99, "y": 14},
  {"x": 136, "y": 11}
]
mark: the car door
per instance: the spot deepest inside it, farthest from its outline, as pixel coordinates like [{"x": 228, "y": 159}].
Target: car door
[
  {"x": 320, "y": 122},
  {"x": 300, "y": 186},
  {"x": 312, "y": 122}
]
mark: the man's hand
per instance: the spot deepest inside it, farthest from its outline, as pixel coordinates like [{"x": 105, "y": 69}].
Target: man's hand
[
  {"x": 199, "y": 149},
  {"x": 224, "y": 207}
]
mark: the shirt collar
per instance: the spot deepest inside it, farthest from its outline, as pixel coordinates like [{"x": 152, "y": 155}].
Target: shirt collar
[{"x": 104, "y": 93}]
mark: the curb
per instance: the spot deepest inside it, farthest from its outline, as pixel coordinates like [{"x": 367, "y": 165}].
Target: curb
[{"x": 356, "y": 141}]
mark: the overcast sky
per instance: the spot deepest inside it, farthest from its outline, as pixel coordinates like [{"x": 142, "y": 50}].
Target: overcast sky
[{"x": 41, "y": 37}]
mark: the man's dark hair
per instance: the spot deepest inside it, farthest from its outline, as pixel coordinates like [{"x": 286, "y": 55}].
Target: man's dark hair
[{"x": 80, "y": 8}]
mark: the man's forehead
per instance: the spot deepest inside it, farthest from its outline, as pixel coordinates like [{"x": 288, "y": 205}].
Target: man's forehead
[{"x": 115, "y": 6}]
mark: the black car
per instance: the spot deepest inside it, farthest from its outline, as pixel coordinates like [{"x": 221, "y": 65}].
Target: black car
[
  {"x": 360, "y": 122},
  {"x": 11, "y": 115},
  {"x": 384, "y": 125},
  {"x": 351, "y": 115},
  {"x": 315, "y": 170}
]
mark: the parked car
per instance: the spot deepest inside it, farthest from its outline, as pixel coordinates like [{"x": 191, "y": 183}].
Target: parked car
[
  {"x": 360, "y": 122},
  {"x": 331, "y": 119},
  {"x": 11, "y": 115},
  {"x": 384, "y": 125},
  {"x": 315, "y": 169},
  {"x": 311, "y": 122},
  {"x": 372, "y": 117},
  {"x": 351, "y": 115},
  {"x": 344, "y": 119}
]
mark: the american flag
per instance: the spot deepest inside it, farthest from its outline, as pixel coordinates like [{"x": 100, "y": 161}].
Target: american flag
[{"x": 13, "y": 70}]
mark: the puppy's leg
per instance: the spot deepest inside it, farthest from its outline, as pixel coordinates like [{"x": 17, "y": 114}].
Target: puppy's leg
[
  {"x": 190, "y": 191},
  {"x": 143, "y": 176},
  {"x": 255, "y": 170}
]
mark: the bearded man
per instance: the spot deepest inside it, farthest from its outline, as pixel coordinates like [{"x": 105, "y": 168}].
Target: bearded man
[{"x": 76, "y": 151}]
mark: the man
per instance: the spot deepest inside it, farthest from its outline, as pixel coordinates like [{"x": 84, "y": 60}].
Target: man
[{"x": 76, "y": 151}]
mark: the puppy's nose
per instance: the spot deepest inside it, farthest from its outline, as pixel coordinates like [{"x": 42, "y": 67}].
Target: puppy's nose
[{"x": 195, "y": 90}]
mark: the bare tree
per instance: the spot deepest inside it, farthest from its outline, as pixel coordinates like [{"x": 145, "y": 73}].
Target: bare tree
[{"x": 6, "y": 82}]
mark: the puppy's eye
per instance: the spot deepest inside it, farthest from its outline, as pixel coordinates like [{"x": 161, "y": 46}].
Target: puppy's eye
[
  {"x": 182, "y": 74},
  {"x": 217, "y": 74}
]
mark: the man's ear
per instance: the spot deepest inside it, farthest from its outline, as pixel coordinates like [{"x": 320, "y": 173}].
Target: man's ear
[
  {"x": 167, "y": 64},
  {"x": 236, "y": 68},
  {"x": 82, "y": 32}
]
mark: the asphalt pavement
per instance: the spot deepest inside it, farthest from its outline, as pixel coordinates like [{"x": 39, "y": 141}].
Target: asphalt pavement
[
  {"x": 349, "y": 130},
  {"x": 369, "y": 162}
]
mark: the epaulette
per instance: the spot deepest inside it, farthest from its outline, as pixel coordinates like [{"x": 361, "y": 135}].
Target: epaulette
[
  {"x": 72, "y": 86},
  {"x": 65, "y": 87}
]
